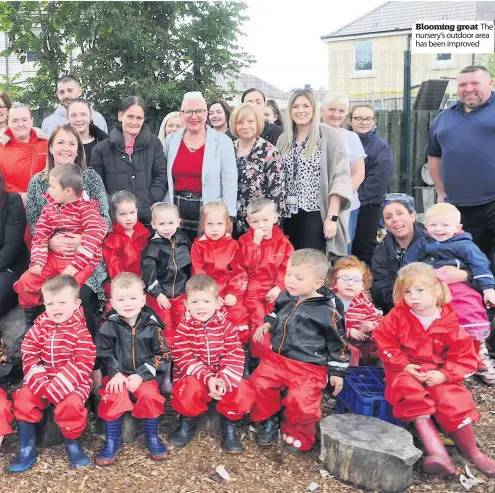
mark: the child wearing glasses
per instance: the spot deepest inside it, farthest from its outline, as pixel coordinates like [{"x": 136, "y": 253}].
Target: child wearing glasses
[{"x": 350, "y": 279}]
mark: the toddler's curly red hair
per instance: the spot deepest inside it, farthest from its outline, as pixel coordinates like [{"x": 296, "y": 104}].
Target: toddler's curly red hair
[{"x": 351, "y": 262}]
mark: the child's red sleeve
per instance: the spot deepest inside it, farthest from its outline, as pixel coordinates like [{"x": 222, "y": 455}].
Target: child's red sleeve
[
  {"x": 387, "y": 340},
  {"x": 461, "y": 361},
  {"x": 113, "y": 255},
  {"x": 75, "y": 372},
  {"x": 198, "y": 258},
  {"x": 184, "y": 357},
  {"x": 288, "y": 250},
  {"x": 94, "y": 231},
  {"x": 43, "y": 231},
  {"x": 250, "y": 254},
  {"x": 373, "y": 314},
  {"x": 35, "y": 376},
  {"x": 237, "y": 284},
  {"x": 232, "y": 364}
]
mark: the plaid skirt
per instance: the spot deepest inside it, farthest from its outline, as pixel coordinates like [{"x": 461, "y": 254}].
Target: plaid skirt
[{"x": 189, "y": 205}]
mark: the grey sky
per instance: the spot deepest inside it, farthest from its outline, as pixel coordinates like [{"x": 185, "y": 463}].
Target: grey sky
[{"x": 284, "y": 37}]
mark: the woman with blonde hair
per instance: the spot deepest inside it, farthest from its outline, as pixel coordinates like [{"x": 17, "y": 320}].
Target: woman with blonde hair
[
  {"x": 318, "y": 178},
  {"x": 259, "y": 166},
  {"x": 170, "y": 124},
  {"x": 334, "y": 109}
]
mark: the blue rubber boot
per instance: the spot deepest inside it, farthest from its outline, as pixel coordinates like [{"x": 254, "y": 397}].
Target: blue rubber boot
[
  {"x": 28, "y": 454},
  {"x": 156, "y": 447},
  {"x": 75, "y": 453},
  {"x": 113, "y": 440}
]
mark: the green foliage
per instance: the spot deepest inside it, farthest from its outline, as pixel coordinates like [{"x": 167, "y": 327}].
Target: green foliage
[
  {"x": 491, "y": 66},
  {"x": 157, "y": 50}
]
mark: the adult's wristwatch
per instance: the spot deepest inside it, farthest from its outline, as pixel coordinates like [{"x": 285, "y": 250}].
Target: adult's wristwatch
[{"x": 333, "y": 218}]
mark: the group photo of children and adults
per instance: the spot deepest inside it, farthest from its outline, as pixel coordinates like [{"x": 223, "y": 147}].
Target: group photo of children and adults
[{"x": 233, "y": 259}]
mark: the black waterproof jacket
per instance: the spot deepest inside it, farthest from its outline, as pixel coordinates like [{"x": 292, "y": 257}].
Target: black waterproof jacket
[
  {"x": 308, "y": 331},
  {"x": 140, "y": 350},
  {"x": 166, "y": 265},
  {"x": 144, "y": 173}
]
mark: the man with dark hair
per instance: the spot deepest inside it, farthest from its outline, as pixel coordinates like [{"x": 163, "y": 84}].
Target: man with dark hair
[
  {"x": 461, "y": 155},
  {"x": 68, "y": 89},
  {"x": 254, "y": 96}
]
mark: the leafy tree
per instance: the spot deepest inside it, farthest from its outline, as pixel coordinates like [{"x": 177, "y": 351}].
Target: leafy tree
[
  {"x": 158, "y": 50},
  {"x": 491, "y": 66}
]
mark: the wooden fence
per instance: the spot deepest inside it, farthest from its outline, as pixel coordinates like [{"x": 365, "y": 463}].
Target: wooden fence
[{"x": 390, "y": 125}]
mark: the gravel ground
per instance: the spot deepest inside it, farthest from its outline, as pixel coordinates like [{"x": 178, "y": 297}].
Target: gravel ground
[{"x": 192, "y": 470}]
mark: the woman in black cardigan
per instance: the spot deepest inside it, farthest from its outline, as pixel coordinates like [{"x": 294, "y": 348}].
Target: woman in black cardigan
[{"x": 13, "y": 252}]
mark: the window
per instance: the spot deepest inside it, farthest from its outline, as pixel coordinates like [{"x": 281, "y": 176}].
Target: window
[
  {"x": 444, "y": 57},
  {"x": 32, "y": 57},
  {"x": 363, "y": 56}
]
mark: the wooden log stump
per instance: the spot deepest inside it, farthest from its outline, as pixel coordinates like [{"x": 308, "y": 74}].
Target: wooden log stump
[
  {"x": 368, "y": 452},
  {"x": 47, "y": 431}
]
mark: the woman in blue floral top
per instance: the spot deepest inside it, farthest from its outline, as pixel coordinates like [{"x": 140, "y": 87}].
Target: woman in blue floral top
[
  {"x": 259, "y": 165},
  {"x": 65, "y": 147}
]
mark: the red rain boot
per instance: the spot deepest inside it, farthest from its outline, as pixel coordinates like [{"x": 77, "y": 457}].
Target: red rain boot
[
  {"x": 437, "y": 462},
  {"x": 466, "y": 443}
]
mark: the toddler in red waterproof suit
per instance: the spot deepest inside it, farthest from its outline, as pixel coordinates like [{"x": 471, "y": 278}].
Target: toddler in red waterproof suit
[
  {"x": 133, "y": 355},
  {"x": 68, "y": 211},
  {"x": 123, "y": 245},
  {"x": 264, "y": 254},
  {"x": 58, "y": 355},
  {"x": 426, "y": 355},
  {"x": 306, "y": 346},
  {"x": 166, "y": 266},
  {"x": 209, "y": 360},
  {"x": 215, "y": 253},
  {"x": 349, "y": 279},
  {"x": 5, "y": 405}
]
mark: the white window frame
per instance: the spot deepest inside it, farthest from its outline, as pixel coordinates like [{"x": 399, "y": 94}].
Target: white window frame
[
  {"x": 368, "y": 71},
  {"x": 443, "y": 63}
]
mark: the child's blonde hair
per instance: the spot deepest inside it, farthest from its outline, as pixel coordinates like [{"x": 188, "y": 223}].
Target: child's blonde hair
[
  {"x": 443, "y": 209},
  {"x": 351, "y": 262},
  {"x": 313, "y": 258},
  {"x": 214, "y": 206},
  {"x": 125, "y": 280},
  {"x": 257, "y": 204},
  {"x": 56, "y": 284},
  {"x": 162, "y": 206},
  {"x": 424, "y": 274}
]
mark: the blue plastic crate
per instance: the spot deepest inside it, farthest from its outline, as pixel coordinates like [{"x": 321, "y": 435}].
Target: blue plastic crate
[{"x": 363, "y": 394}]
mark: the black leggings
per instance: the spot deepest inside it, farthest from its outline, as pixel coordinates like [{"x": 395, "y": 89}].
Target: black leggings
[
  {"x": 8, "y": 297},
  {"x": 305, "y": 230},
  {"x": 365, "y": 241}
]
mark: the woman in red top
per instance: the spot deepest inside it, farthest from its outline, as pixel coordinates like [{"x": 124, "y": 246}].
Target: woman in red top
[
  {"x": 122, "y": 247},
  {"x": 214, "y": 254},
  {"x": 201, "y": 165}
]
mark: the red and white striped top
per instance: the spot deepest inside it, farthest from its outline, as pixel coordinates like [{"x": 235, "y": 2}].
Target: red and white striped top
[
  {"x": 58, "y": 359},
  {"x": 79, "y": 217},
  {"x": 360, "y": 310},
  {"x": 205, "y": 349}
]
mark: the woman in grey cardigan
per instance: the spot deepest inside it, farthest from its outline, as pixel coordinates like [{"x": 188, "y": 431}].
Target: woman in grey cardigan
[
  {"x": 201, "y": 165},
  {"x": 318, "y": 179}
]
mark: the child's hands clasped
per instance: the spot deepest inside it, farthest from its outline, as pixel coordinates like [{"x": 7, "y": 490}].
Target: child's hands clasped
[
  {"x": 272, "y": 295},
  {"x": 216, "y": 388},
  {"x": 415, "y": 371},
  {"x": 36, "y": 269},
  {"x": 434, "y": 377},
  {"x": 366, "y": 326},
  {"x": 163, "y": 302},
  {"x": 230, "y": 300},
  {"x": 70, "y": 270},
  {"x": 489, "y": 296}
]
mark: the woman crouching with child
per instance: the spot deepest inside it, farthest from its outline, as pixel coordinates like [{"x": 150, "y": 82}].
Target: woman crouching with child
[{"x": 426, "y": 355}]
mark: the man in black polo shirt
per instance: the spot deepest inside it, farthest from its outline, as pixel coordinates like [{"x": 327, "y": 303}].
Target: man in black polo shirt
[
  {"x": 461, "y": 155},
  {"x": 271, "y": 132}
]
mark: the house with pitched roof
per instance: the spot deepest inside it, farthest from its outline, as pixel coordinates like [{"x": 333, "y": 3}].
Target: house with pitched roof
[{"x": 366, "y": 56}]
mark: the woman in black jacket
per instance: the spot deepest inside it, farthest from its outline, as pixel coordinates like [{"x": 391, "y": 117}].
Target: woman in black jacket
[
  {"x": 13, "y": 252},
  {"x": 80, "y": 117},
  {"x": 132, "y": 159},
  {"x": 400, "y": 222}
]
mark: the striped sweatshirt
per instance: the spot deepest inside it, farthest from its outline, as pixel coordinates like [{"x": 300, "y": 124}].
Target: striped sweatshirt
[
  {"x": 206, "y": 349},
  {"x": 360, "y": 310},
  {"x": 58, "y": 359},
  {"x": 79, "y": 217}
]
